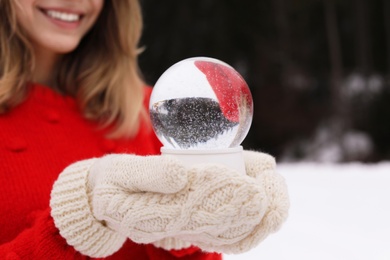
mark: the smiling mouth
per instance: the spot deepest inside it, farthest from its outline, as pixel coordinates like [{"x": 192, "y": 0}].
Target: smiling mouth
[{"x": 63, "y": 16}]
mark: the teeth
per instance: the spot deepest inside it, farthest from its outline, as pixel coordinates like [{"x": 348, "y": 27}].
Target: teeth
[{"x": 66, "y": 17}]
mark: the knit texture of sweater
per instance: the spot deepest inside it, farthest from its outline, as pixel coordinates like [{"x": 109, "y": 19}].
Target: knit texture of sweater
[{"x": 38, "y": 139}]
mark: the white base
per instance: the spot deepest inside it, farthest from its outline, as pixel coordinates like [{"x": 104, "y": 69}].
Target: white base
[{"x": 230, "y": 157}]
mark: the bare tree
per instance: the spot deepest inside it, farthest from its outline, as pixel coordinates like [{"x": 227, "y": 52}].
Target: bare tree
[
  {"x": 335, "y": 56},
  {"x": 386, "y": 13},
  {"x": 363, "y": 37},
  {"x": 283, "y": 29}
]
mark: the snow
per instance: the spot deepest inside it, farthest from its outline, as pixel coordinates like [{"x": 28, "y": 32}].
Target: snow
[{"x": 338, "y": 212}]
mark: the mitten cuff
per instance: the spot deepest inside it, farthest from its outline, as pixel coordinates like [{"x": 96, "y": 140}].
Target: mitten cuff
[{"x": 73, "y": 216}]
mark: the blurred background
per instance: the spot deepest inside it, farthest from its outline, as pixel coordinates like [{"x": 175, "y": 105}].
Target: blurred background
[{"x": 318, "y": 70}]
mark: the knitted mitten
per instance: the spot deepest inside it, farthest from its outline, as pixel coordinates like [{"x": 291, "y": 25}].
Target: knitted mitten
[
  {"x": 91, "y": 198},
  {"x": 97, "y": 203},
  {"x": 261, "y": 167},
  {"x": 257, "y": 221}
]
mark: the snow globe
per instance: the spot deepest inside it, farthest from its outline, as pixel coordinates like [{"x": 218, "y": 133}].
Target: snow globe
[{"x": 201, "y": 110}]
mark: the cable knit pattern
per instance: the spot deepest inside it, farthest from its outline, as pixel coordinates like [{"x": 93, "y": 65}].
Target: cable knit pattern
[
  {"x": 262, "y": 167},
  {"x": 217, "y": 209},
  {"x": 72, "y": 214}
]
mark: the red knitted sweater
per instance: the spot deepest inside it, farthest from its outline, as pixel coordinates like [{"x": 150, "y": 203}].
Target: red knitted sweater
[{"x": 38, "y": 139}]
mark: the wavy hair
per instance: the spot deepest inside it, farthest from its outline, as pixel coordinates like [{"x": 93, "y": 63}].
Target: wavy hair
[{"x": 102, "y": 72}]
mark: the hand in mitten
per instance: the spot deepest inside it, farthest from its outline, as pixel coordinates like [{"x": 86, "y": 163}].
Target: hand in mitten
[
  {"x": 97, "y": 203},
  {"x": 235, "y": 212},
  {"x": 261, "y": 168}
]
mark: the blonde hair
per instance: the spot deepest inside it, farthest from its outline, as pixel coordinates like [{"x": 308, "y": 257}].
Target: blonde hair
[{"x": 102, "y": 72}]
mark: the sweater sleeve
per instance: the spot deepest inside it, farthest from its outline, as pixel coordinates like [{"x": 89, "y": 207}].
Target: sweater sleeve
[{"x": 41, "y": 241}]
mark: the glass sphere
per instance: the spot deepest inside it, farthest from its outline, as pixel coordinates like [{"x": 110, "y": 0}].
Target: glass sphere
[{"x": 201, "y": 103}]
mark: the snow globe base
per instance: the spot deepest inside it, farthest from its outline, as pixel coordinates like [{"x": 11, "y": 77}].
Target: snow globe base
[{"x": 230, "y": 157}]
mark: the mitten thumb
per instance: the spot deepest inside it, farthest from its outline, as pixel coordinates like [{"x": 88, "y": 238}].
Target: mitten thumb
[{"x": 256, "y": 163}]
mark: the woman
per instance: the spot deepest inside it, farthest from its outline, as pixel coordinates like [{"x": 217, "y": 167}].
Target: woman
[{"x": 79, "y": 165}]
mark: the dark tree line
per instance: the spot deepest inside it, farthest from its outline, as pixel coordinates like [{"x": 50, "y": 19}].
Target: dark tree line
[{"x": 310, "y": 64}]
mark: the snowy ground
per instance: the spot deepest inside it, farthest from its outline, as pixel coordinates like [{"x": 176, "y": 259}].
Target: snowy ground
[{"x": 338, "y": 212}]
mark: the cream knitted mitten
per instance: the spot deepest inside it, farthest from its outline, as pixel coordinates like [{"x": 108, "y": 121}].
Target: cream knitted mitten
[
  {"x": 262, "y": 167},
  {"x": 88, "y": 189},
  {"x": 97, "y": 203},
  {"x": 235, "y": 236}
]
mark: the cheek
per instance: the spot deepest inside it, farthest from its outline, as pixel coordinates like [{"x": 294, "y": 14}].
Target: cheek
[
  {"x": 96, "y": 9},
  {"x": 24, "y": 13},
  {"x": 98, "y": 6}
]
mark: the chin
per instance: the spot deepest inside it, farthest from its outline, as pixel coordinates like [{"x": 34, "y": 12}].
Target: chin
[
  {"x": 61, "y": 46},
  {"x": 64, "y": 48}
]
